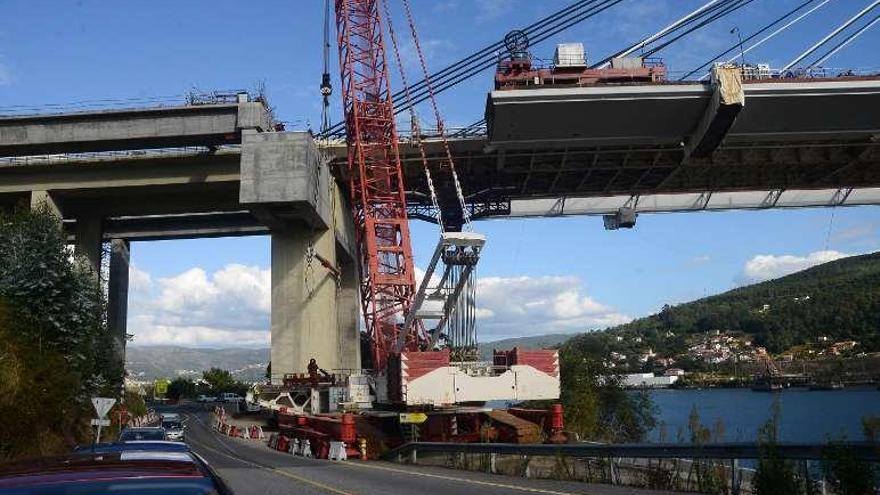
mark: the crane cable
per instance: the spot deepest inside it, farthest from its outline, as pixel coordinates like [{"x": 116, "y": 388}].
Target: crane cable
[
  {"x": 484, "y": 58},
  {"x": 416, "y": 131},
  {"x": 757, "y": 33},
  {"x": 450, "y": 161},
  {"x": 326, "y": 86},
  {"x": 830, "y": 35},
  {"x": 490, "y": 61}
]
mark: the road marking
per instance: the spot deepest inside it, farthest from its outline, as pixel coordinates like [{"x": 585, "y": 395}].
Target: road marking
[
  {"x": 453, "y": 478},
  {"x": 307, "y": 481}
]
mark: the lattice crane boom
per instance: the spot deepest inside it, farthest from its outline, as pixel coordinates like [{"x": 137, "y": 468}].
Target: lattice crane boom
[{"x": 376, "y": 180}]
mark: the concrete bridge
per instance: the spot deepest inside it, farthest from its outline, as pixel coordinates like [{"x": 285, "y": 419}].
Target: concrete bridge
[{"x": 220, "y": 169}]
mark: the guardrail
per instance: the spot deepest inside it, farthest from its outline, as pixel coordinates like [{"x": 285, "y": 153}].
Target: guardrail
[
  {"x": 736, "y": 450},
  {"x": 682, "y": 467}
]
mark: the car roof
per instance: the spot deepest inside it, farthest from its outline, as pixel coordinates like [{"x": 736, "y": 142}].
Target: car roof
[
  {"x": 81, "y": 468},
  {"x": 134, "y": 445},
  {"x": 144, "y": 428}
]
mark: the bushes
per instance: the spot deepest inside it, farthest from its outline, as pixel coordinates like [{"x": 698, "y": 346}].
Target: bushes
[
  {"x": 54, "y": 343},
  {"x": 596, "y": 406}
]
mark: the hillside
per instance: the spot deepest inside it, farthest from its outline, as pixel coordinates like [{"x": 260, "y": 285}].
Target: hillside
[
  {"x": 151, "y": 362},
  {"x": 839, "y": 300}
]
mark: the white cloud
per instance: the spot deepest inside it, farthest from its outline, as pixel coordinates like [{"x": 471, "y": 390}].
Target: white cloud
[
  {"x": 489, "y": 10},
  {"x": 228, "y": 308},
  {"x": 765, "y": 267},
  {"x": 139, "y": 280},
  {"x": 519, "y": 306}
]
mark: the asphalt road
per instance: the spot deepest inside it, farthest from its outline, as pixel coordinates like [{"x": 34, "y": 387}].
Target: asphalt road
[{"x": 251, "y": 468}]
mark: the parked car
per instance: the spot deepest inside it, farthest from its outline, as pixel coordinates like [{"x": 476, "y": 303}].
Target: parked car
[
  {"x": 142, "y": 445},
  {"x": 206, "y": 398},
  {"x": 170, "y": 416},
  {"x": 113, "y": 472},
  {"x": 143, "y": 433},
  {"x": 173, "y": 430},
  {"x": 230, "y": 397}
]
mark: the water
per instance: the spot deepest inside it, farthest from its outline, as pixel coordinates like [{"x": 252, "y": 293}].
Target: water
[{"x": 806, "y": 416}]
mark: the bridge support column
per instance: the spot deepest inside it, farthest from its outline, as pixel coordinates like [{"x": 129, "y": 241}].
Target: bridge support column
[
  {"x": 117, "y": 301},
  {"x": 88, "y": 242},
  {"x": 304, "y": 309},
  {"x": 347, "y": 311},
  {"x": 40, "y": 198}
]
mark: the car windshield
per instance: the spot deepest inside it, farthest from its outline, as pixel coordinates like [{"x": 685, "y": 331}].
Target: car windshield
[
  {"x": 129, "y": 435},
  {"x": 172, "y": 425}
]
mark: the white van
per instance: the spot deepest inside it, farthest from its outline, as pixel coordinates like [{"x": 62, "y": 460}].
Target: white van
[{"x": 230, "y": 397}]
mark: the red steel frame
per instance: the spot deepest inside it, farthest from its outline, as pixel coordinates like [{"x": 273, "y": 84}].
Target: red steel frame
[{"x": 377, "y": 188}]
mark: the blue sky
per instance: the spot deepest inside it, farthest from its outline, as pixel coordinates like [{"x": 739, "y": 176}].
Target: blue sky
[{"x": 575, "y": 274}]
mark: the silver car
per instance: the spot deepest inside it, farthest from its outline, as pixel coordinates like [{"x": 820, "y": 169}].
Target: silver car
[{"x": 174, "y": 430}]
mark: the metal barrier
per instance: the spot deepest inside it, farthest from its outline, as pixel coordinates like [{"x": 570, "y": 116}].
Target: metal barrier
[
  {"x": 737, "y": 450},
  {"x": 679, "y": 467}
]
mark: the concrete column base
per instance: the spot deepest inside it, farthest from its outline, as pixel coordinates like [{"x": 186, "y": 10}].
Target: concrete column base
[{"x": 304, "y": 305}]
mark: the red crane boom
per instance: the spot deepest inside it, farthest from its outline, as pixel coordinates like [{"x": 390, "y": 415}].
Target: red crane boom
[{"x": 376, "y": 180}]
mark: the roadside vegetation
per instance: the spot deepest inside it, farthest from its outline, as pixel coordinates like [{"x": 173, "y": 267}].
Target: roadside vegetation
[
  {"x": 596, "y": 406},
  {"x": 214, "y": 381},
  {"x": 54, "y": 341}
]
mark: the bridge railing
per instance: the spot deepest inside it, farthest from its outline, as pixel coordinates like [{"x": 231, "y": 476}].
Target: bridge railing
[
  {"x": 115, "y": 155},
  {"x": 685, "y": 467}
]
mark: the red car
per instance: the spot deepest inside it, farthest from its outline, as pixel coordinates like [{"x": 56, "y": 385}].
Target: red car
[{"x": 133, "y": 472}]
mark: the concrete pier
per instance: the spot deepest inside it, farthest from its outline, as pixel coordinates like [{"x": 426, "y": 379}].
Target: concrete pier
[
  {"x": 304, "y": 311},
  {"x": 286, "y": 184},
  {"x": 88, "y": 242},
  {"x": 117, "y": 298}
]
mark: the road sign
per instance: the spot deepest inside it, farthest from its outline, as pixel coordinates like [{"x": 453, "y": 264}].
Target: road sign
[
  {"x": 160, "y": 387},
  {"x": 102, "y": 405},
  {"x": 413, "y": 418},
  {"x": 100, "y": 422}
]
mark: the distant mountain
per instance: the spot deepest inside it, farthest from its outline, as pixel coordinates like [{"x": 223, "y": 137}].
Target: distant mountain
[
  {"x": 533, "y": 342},
  {"x": 151, "y": 362},
  {"x": 839, "y": 300}
]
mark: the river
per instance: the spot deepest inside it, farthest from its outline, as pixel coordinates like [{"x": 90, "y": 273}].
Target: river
[{"x": 806, "y": 416}]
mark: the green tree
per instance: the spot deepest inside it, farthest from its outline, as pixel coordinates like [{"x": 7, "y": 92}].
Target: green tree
[
  {"x": 220, "y": 380},
  {"x": 848, "y": 474},
  {"x": 775, "y": 474},
  {"x": 596, "y": 406},
  {"x": 54, "y": 342},
  {"x": 180, "y": 388}
]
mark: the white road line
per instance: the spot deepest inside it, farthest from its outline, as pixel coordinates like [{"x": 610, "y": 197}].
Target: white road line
[
  {"x": 307, "y": 481},
  {"x": 462, "y": 480}
]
